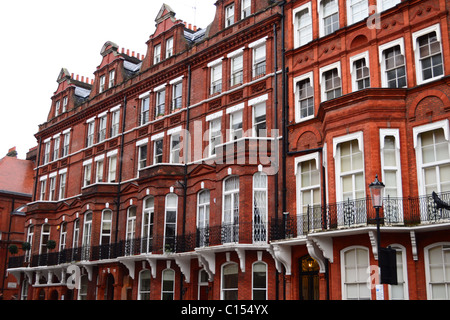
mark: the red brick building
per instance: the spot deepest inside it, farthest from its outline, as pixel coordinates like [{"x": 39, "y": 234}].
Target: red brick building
[
  {"x": 234, "y": 162},
  {"x": 16, "y": 187}
]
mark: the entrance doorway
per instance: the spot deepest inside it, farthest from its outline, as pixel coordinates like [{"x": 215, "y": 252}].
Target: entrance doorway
[{"x": 309, "y": 279}]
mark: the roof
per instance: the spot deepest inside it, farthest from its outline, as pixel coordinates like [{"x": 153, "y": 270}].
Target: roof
[{"x": 16, "y": 175}]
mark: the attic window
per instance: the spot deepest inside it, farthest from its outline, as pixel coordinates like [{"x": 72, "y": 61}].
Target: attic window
[
  {"x": 229, "y": 15},
  {"x": 102, "y": 84},
  {"x": 169, "y": 48},
  {"x": 246, "y": 8},
  {"x": 157, "y": 54}
]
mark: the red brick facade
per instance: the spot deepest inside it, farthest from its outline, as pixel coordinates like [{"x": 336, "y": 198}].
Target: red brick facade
[{"x": 282, "y": 213}]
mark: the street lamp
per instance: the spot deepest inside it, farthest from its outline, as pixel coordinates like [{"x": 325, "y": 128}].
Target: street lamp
[
  {"x": 386, "y": 256},
  {"x": 376, "y": 193}
]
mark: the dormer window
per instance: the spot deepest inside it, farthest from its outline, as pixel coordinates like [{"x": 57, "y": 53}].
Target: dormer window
[
  {"x": 102, "y": 84},
  {"x": 169, "y": 48},
  {"x": 112, "y": 78},
  {"x": 157, "y": 54},
  {"x": 229, "y": 15}
]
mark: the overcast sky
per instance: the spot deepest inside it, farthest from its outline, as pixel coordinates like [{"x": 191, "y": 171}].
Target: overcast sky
[{"x": 38, "y": 38}]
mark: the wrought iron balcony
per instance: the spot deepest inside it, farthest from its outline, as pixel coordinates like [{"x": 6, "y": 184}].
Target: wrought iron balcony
[
  {"x": 239, "y": 232},
  {"x": 359, "y": 213}
]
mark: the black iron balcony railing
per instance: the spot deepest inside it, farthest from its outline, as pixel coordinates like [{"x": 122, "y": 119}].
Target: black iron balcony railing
[
  {"x": 353, "y": 213},
  {"x": 244, "y": 232}
]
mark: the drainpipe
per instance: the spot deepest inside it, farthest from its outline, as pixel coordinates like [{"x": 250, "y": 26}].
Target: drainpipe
[
  {"x": 120, "y": 167},
  {"x": 283, "y": 120},
  {"x": 186, "y": 160},
  {"x": 275, "y": 121}
]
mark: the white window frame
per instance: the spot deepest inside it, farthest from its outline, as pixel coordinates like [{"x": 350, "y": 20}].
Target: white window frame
[
  {"x": 90, "y": 132},
  {"x": 99, "y": 168},
  {"x": 299, "y": 190},
  {"x": 104, "y": 220},
  {"x": 296, "y": 14},
  {"x": 350, "y": 15},
  {"x": 160, "y": 102},
  {"x": 297, "y": 80},
  {"x": 222, "y": 289},
  {"x": 56, "y": 145},
  {"x": 353, "y": 70},
  {"x": 336, "y": 65},
  {"x": 112, "y": 166},
  {"x": 253, "y": 284},
  {"x": 87, "y": 173},
  {"x": 391, "y": 3},
  {"x": 157, "y": 54},
  {"x": 260, "y": 232},
  {"x": 140, "y": 291},
  {"x": 102, "y": 124},
  {"x": 169, "y": 47},
  {"x": 343, "y": 271},
  {"x": 415, "y": 36},
  {"x": 255, "y": 46},
  {"x": 47, "y": 149},
  {"x": 382, "y": 60},
  {"x": 445, "y": 246},
  {"x": 155, "y": 155},
  {"x": 115, "y": 122},
  {"x": 246, "y": 11},
  {"x": 232, "y": 216},
  {"x": 336, "y": 154},
  {"x": 44, "y": 234},
  {"x": 144, "y": 113},
  {"x": 64, "y": 107},
  {"x": 66, "y": 143},
  {"x": 214, "y": 119},
  {"x": 233, "y": 116},
  {"x": 175, "y": 98},
  {"x": 52, "y": 187},
  {"x": 112, "y": 78},
  {"x": 396, "y": 134},
  {"x": 320, "y": 13},
  {"x": 404, "y": 268},
  {"x": 255, "y": 132},
  {"x": 43, "y": 188},
  {"x": 62, "y": 236},
  {"x": 230, "y": 15},
  {"x": 216, "y": 73},
  {"x": 150, "y": 211},
  {"x": 87, "y": 235},
  {"x": 203, "y": 224},
  {"x": 171, "y": 292},
  {"x": 443, "y": 124},
  {"x": 166, "y": 209},
  {"x": 102, "y": 84},
  {"x": 175, "y": 150},
  {"x": 62, "y": 184}
]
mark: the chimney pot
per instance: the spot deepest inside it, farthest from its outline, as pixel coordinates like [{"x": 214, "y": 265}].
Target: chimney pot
[
  {"x": 132, "y": 53},
  {"x": 128, "y": 52},
  {"x": 78, "y": 76}
]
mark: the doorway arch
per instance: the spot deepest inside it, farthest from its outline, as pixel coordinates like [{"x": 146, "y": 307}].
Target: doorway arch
[{"x": 308, "y": 279}]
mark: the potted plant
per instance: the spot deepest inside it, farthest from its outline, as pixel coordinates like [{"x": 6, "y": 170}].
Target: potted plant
[
  {"x": 26, "y": 246},
  {"x": 13, "y": 249},
  {"x": 51, "y": 244}
]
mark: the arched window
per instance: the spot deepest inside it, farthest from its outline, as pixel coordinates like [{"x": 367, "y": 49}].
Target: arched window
[
  {"x": 230, "y": 217},
  {"x": 147, "y": 224},
  {"x": 144, "y": 285},
  {"x": 45, "y": 236},
  {"x": 400, "y": 291},
  {"x": 229, "y": 282},
  {"x": 203, "y": 203},
  {"x": 437, "y": 271},
  {"x": 259, "y": 281},
  {"x": 105, "y": 237},
  {"x": 354, "y": 264},
  {"x": 131, "y": 230},
  {"x": 30, "y": 236},
  {"x": 76, "y": 233},
  {"x": 170, "y": 230},
  {"x": 168, "y": 284},
  {"x": 87, "y": 232},
  {"x": 259, "y": 207},
  {"x": 62, "y": 236}
]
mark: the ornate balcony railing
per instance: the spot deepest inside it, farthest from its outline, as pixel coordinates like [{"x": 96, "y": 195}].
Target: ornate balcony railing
[
  {"x": 354, "y": 213},
  {"x": 239, "y": 232}
]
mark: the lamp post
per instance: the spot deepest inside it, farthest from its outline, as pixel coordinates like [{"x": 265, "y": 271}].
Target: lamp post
[{"x": 377, "y": 193}]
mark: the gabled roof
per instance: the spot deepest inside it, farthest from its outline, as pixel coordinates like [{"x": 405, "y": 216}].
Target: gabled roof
[{"x": 165, "y": 12}]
